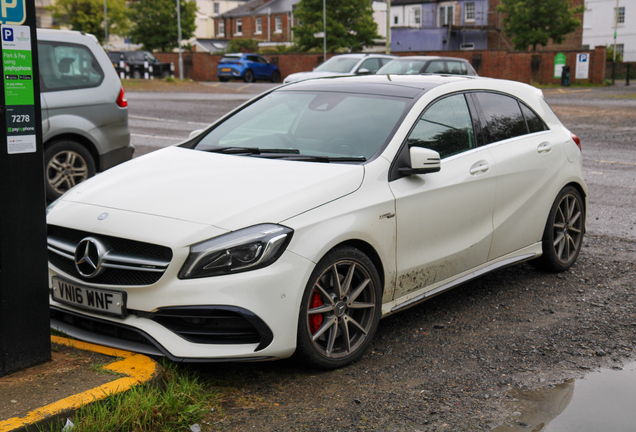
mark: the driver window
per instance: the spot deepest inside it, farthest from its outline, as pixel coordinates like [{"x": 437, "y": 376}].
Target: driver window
[
  {"x": 445, "y": 127},
  {"x": 372, "y": 64}
]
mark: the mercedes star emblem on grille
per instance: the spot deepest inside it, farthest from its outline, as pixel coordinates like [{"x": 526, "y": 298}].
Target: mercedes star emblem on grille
[{"x": 89, "y": 255}]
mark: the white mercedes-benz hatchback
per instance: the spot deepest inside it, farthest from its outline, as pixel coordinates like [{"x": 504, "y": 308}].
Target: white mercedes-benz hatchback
[{"x": 297, "y": 221}]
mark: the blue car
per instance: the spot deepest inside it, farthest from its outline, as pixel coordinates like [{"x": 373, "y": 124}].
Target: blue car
[{"x": 248, "y": 67}]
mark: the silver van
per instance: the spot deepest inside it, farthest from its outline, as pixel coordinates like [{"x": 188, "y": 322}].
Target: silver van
[{"x": 84, "y": 111}]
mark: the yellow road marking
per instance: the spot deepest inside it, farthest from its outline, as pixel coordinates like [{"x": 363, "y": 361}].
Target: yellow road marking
[{"x": 138, "y": 368}]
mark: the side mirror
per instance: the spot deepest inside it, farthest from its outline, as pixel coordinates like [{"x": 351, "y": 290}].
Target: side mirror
[
  {"x": 423, "y": 161},
  {"x": 363, "y": 71},
  {"x": 195, "y": 133}
]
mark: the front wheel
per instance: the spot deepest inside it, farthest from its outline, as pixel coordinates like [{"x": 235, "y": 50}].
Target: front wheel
[
  {"x": 340, "y": 309},
  {"x": 563, "y": 236},
  {"x": 66, "y": 163},
  {"x": 248, "y": 76}
]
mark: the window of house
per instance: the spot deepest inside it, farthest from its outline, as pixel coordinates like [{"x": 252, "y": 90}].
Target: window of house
[
  {"x": 278, "y": 24},
  {"x": 620, "y": 19},
  {"x": 417, "y": 17},
  {"x": 239, "y": 27},
  {"x": 221, "y": 30},
  {"x": 217, "y": 8},
  {"x": 395, "y": 20},
  {"x": 446, "y": 15},
  {"x": 445, "y": 127},
  {"x": 469, "y": 12},
  {"x": 259, "y": 26}
]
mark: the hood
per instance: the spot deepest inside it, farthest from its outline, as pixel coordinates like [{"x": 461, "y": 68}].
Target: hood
[
  {"x": 308, "y": 75},
  {"x": 226, "y": 191}
]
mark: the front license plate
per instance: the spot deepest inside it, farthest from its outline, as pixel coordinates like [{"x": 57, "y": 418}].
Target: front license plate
[
  {"x": 226, "y": 70},
  {"x": 98, "y": 300}
]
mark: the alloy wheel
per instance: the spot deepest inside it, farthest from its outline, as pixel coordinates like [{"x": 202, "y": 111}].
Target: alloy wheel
[
  {"x": 342, "y": 309},
  {"x": 65, "y": 170},
  {"x": 568, "y": 228}
]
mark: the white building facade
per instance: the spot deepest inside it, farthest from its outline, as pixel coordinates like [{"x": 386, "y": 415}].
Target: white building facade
[
  {"x": 602, "y": 18},
  {"x": 207, "y": 10}
]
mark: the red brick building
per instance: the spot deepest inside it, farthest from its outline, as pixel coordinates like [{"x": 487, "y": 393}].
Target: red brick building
[{"x": 263, "y": 20}]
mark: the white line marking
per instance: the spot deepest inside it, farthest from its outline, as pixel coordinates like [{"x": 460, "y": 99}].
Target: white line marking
[
  {"x": 164, "y": 120},
  {"x": 158, "y": 137}
]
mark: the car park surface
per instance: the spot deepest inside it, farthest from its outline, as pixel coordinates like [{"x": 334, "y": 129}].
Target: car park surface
[
  {"x": 84, "y": 110},
  {"x": 248, "y": 67},
  {"x": 344, "y": 64},
  {"x": 351, "y": 190}
]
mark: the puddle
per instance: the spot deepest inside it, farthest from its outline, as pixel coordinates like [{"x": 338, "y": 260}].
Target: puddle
[{"x": 602, "y": 401}]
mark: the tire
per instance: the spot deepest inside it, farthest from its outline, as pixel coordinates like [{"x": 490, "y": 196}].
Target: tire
[
  {"x": 224, "y": 79},
  {"x": 350, "y": 309},
  {"x": 248, "y": 76},
  {"x": 563, "y": 235},
  {"x": 136, "y": 74},
  {"x": 275, "y": 76},
  {"x": 66, "y": 163}
]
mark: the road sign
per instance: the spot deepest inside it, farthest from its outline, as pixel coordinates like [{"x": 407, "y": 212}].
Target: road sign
[
  {"x": 12, "y": 11},
  {"x": 582, "y": 66}
]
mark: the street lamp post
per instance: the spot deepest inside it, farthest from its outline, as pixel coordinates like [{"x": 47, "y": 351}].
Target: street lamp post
[{"x": 180, "y": 55}]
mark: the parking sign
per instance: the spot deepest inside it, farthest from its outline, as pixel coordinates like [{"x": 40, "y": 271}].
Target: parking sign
[
  {"x": 582, "y": 66},
  {"x": 12, "y": 12}
]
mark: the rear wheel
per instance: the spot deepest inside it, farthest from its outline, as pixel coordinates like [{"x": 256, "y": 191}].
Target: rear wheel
[
  {"x": 275, "y": 76},
  {"x": 66, "y": 163},
  {"x": 563, "y": 235},
  {"x": 248, "y": 76},
  {"x": 340, "y": 310},
  {"x": 136, "y": 74}
]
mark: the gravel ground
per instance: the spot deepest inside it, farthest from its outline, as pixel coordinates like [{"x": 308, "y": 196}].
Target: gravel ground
[{"x": 446, "y": 365}]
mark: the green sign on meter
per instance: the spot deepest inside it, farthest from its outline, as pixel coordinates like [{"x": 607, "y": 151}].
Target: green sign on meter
[
  {"x": 17, "y": 69},
  {"x": 559, "y": 62}
]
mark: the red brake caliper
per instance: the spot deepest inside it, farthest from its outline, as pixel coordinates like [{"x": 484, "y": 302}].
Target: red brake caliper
[{"x": 315, "y": 321}]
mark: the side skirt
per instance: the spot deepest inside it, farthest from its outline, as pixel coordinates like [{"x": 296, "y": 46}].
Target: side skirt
[{"x": 428, "y": 292}]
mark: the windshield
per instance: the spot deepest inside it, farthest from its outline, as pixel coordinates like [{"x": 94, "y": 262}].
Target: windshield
[
  {"x": 406, "y": 66},
  {"x": 321, "y": 124},
  {"x": 338, "y": 65}
]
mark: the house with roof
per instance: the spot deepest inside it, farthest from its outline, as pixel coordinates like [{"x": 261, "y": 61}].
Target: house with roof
[
  {"x": 268, "y": 21},
  {"x": 433, "y": 25},
  {"x": 602, "y": 19}
]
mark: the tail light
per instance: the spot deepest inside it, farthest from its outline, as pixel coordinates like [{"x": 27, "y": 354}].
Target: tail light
[
  {"x": 121, "y": 99},
  {"x": 576, "y": 140}
]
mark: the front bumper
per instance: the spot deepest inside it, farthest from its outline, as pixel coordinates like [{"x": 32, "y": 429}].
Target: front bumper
[{"x": 267, "y": 299}]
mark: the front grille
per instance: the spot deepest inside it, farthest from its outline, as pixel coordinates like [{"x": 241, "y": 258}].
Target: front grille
[{"x": 133, "y": 255}]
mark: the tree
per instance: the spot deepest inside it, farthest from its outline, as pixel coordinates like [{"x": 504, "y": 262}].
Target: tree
[
  {"x": 155, "y": 23},
  {"x": 535, "y": 22},
  {"x": 88, "y": 16},
  {"x": 350, "y": 24}
]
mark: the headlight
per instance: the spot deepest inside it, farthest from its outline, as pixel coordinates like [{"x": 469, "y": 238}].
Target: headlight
[{"x": 246, "y": 249}]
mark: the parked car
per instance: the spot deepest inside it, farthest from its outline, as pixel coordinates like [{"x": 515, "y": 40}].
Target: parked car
[
  {"x": 299, "y": 220},
  {"x": 248, "y": 67},
  {"x": 344, "y": 64},
  {"x": 84, "y": 110},
  {"x": 428, "y": 64},
  {"x": 135, "y": 64}
]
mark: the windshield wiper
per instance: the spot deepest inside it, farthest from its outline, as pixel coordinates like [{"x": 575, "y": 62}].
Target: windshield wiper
[
  {"x": 252, "y": 150},
  {"x": 327, "y": 158}
]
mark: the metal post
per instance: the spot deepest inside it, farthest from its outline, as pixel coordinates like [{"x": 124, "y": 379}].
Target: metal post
[
  {"x": 105, "y": 25},
  {"x": 615, "y": 31},
  {"x": 627, "y": 76},
  {"x": 180, "y": 49},
  {"x": 388, "y": 27},
  {"x": 324, "y": 28}
]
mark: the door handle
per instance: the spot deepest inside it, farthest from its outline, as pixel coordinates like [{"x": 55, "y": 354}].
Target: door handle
[
  {"x": 479, "y": 167},
  {"x": 544, "y": 147}
]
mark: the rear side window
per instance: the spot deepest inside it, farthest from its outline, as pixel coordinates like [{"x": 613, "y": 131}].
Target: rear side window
[
  {"x": 535, "y": 124},
  {"x": 445, "y": 127},
  {"x": 456, "y": 68},
  {"x": 65, "y": 66},
  {"x": 503, "y": 118},
  {"x": 435, "y": 66},
  {"x": 372, "y": 64}
]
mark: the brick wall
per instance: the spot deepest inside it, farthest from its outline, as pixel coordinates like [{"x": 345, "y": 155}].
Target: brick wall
[{"x": 528, "y": 67}]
